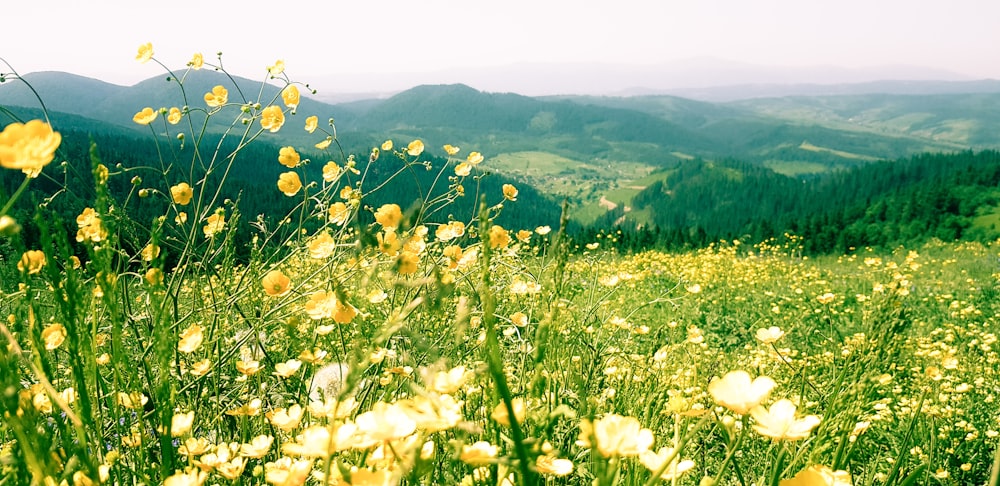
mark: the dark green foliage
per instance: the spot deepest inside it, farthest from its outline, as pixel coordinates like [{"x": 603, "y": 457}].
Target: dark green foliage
[{"x": 881, "y": 204}]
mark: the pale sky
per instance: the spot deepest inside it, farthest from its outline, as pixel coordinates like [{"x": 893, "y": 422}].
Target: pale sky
[{"x": 99, "y": 38}]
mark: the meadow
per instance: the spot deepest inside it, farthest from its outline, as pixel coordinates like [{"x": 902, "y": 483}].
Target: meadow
[{"x": 358, "y": 344}]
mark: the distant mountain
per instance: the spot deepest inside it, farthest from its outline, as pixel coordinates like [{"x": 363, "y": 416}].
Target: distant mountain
[{"x": 609, "y": 79}]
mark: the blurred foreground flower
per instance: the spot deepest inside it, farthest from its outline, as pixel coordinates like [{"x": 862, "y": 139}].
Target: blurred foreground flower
[
  {"x": 818, "y": 475},
  {"x": 28, "y": 147},
  {"x": 738, "y": 393},
  {"x": 779, "y": 422}
]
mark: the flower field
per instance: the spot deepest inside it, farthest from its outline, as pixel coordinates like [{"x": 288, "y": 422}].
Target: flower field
[{"x": 375, "y": 344}]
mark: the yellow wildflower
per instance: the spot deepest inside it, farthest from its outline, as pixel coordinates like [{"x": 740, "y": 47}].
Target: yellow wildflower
[
  {"x": 181, "y": 193},
  {"x": 290, "y": 95},
  {"x": 31, "y": 261},
  {"x": 145, "y": 116},
  {"x": 288, "y": 157},
  {"x": 272, "y": 118},
  {"x": 217, "y": 97},
  {"x": 276, "y": 284},
  {"x": 145, "y": 52},
  {"x": 779, "y": 421},
  {"x": 289, "y": 183},
  {"x": 738, "y": 393}
]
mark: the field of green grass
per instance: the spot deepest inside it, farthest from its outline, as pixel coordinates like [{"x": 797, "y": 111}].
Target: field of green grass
[{"x": 358, "y": 344}]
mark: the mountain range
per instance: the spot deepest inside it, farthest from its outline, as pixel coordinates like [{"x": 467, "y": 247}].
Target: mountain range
[{"x": 594, "y": 150}]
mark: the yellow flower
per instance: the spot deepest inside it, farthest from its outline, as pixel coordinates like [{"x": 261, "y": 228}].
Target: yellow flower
[
  {"x": 257, "y": 447},
  {"x": 330, "y": 171},
  {"x": 553, "y": 466},
  {"x": 197, "y": 61},
  {"x": 145, "y": 117},
  {"x": 191, "y": 339},
  {"x": 249, "y": 368},
  {"x": 272, "y": 118},
  {"x": 389, "y": 215},
  {"x": 145, "y": 52},
  {"x": 277, "y": 68},
  {"x": 451, "y": 150},
  {"x": 288, "y": 368},
  {"x": 288, "y": 157},
  {"x": 387, "y": 145},
  {"x": 290, "y": 95},
  {"x": 415, "y": 148},
  {"x": 524, "y": 236},
  {"x": 779, "y": 422},
  {"x": 445, "y": 382},
  {"x": 474, "y": 158},
  {"x": 53, "y": 335},
  {"x": 339, "y": 213},
  {"x": 181, "y": 193},
  {"x": 655, "y": 460},
  {"x": 826, "y": 298},
  {"x": 312, "y": 123},
  {"x": 201, "y": 368},
  {"x": 286, "y": 419},
  {"x": 324, "y": 144},
  {"x": 174, "y": 116},
  {"x": 289, "y": 183},
  {"x": 321, "y": 441},
  {"x": 214, "y": 224},
  {"x": 616, "y": 435},
  {"x": 499, "y": 238},
  {"x": 738, "y": 393},
  {"x": 31, "y": 261},
  {"x": 322, "y": 245},
  {"x": 501, "y": 416},
  {"x": 818, "y": 475},
  {"x": 276, "y": 284},
  {"x": 450, "y": 231},
  {"x": 769, "y": 335},
  {"x": 149, "y": 252},
  {"x": 479, "y": 454},
  {"x": 217, "y": 97},
  {"x": 509, "y": 192},
  {"x": 191, "y": 477},
  {"x": 463, "y": 169},
  {"x": 181, "y": 423},
  {"x": 321, "y": 305},
  {"x": 407, "y": 263},
  {"x": 384, "y": 422}
]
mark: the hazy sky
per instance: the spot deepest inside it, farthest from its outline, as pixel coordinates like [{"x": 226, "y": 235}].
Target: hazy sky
[{"x": 99, "y": 38}]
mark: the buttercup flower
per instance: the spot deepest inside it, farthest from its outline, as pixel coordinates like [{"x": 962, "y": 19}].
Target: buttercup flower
[
  {"x": 616, "y": 435},
  {"x": 272, "y": 118},
  {"x": 181, "y": 423},
  {"x": 339, "y": 213},
  {"x": 145, "y": 52},
  {"x": 276, "y": 284},
  {"x": 654, "y": 461},
  {"x": 818, "y": 475},
  {"x": 181, "y": 193},
  {"x": 31, "y": 261},
  {"x": 53, "y": 335},
  {"x": 502, "y": 416},
  {"x": 553, "y": 466},
  {"x": 217, "y": 97},
  {"x": 463, "y": 169},
  {"x": 174, "y": 116},
  {"x": 214, "y": 224},
  {"x": 290, "y": 95},
  {"x": 509, "y": 192},
  {"x": 415, "y": 148},
  {"x": 289, "y": 183},
  {"x": 779, "y": 422},
  {"x": 769, "y": 335},
  {"x": 387, "y": 145},
  {"x": 145, "y": 116},
  {"x": 277, "y": 68},
  {"x": 288, "y": 157},
  {"x": 197, "y": 61},
  {"x": 479, "y": 454},
  {"x": 191, "y": 339},
  {"x": 389, "y": 215},
  {"x": 738, "y": 393},
  {"x": 474, "y": 158},
  {"x": 499, "y": 238},
  {"x": 451, "y": 150},
  {"x": 312, "y": 123}
]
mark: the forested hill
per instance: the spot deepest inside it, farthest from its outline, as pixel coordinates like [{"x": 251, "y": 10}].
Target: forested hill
[{"x": 945, "y": 196}]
